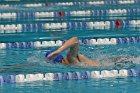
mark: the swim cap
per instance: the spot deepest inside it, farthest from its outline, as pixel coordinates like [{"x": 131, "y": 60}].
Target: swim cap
[{"x": 57, "y": 59}]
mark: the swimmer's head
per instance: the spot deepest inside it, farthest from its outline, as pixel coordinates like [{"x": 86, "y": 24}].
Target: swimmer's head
[{"x": 58, "y": 59}]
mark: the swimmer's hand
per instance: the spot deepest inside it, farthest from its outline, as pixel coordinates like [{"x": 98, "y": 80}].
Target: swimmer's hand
[
  {"x": 2, "y": 69},
  {"x": 53, "y": 55}
]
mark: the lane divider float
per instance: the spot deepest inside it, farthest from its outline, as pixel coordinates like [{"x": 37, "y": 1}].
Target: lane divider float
[
  {"x": 99, "y": 41},
  {"x": 89, "y": 13},
  {"x": 13, "y": 28},
  {"x": 103, "y": 2},
  {"x": 68, "y": 76}
]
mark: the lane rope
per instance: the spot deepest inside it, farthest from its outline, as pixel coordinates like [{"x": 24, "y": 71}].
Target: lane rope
[
  {"x": 14, "y": 28},
  {"x": 68, "y": 76},
  {"x": 99, "y": 41},
  {"x": 89, "y": 13},
  {"x": 103, "y": 2}
]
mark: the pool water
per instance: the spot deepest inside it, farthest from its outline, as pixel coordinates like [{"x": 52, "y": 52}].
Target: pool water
[
  {"x": 34, "y": 57},
  {"x": 124, "y": 85}
]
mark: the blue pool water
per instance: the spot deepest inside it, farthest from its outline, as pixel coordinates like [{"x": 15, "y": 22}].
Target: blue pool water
[
  {"x": 11, "y": 57},
  {"x": 21, "y": 56}
]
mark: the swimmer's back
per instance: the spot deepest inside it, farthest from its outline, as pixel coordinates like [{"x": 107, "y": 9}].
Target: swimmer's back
[{"x": 80, "y": 59}]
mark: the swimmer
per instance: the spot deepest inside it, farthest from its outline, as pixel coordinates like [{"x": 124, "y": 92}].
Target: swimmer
[{"x": 74, "y": 57}]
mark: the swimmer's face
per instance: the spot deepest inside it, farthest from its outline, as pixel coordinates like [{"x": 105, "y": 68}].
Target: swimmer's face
[{"x": 62, "y": 61}]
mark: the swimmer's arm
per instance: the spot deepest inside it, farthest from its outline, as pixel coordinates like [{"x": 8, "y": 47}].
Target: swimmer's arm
[
  {"x": 69, "y": 43},
  {"x": 17, "y": 65},
  {"x": 21, "y": 65}
]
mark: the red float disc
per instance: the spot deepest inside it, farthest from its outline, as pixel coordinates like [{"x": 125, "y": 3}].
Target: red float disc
[
  {"x": 118, "y": 23},
  {"x": 61, "y": 13}
]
